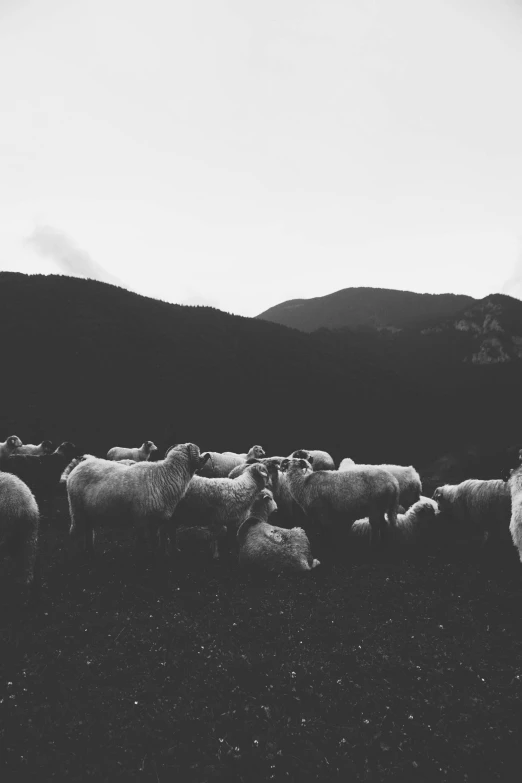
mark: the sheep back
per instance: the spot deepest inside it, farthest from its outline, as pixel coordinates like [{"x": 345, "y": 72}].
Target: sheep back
[{"x": 19, "y": 524}]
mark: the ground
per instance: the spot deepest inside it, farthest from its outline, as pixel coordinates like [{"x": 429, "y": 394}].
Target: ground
[{"x": 374, "y": 669}]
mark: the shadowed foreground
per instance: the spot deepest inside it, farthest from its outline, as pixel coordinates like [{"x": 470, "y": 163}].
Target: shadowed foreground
[{"x": 376, "y": 670}]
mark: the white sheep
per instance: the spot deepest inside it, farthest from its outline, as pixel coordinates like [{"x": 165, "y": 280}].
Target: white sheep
[
  {"x": 480, "y": 507},
  {"x": 417, "y": 525},
  {"x": 19, "y": 524},
  {"x": 410, "y": 485},
  {"x": 334, "y": 500},
  {"x": 10, "y": 445},
  {"x": 220, "y": 464},
  {"x": 265, "y": 547},
  {"x": 45, "y": 447},
  {"x": 321, "y": 460},
  {"x": 143, "y": 496},
  {"x": 515, "y": 524},
  {"x": 138, "y": 455},
  {"x": 217, "y": 502}
]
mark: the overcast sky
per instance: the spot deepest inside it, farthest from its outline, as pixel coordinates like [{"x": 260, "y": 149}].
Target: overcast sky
[{"x": 239, "y": 153}]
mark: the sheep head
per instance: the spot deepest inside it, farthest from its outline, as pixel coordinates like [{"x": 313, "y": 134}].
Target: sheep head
[
  {"x": 47, "y": 446},
  {"x": 148, "y": 447},
  {"x": 14, "y": 441},
  {"x": 259, "y": 473},
  {"x": 293, "y": 465},
  {"x": 267, "y": 499},
  {"x": 257, "y": 451},
  {"x": 68, "y": 450}
]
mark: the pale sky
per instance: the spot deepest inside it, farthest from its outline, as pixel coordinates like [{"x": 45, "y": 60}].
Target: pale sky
[{"x": 240, "y": 153}]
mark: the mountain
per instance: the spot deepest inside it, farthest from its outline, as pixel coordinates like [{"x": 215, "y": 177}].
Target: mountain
[
  {"x": 101, "y": 366},
  {"x": 365, "y": 307}
]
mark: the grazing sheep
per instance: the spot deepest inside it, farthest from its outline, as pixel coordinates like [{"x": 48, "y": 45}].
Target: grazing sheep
[
  {"x": 45, "y": 447},
  {"x": 214, "y": 502},
  {"x": 9, "y": 446},
  {"x": 265, "y": 547},
  {"x": 417, "y": 526},
  {"x": 480, "y": 507},
  {"x": 142, "y": 454},
  {"x": 410, "y": 486},
  {"x": 321, "y": 460},
  {"x": 19, "y": 521},
  {"x": 143, "y": 496},
  {"x": 335, "y": 500},
  {"x": 220, "y": 464},
  {"x": 41, "y": 473}
]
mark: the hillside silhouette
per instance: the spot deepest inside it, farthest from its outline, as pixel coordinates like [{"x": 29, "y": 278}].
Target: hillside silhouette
[
  {"x": 101, "y": 366},
  {"x": 365, "y": 307}
]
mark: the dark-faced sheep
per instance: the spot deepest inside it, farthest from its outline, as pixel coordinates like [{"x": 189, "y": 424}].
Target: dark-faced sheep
[
  {"x": 334, "y": 500},
  {"x": 19, "y": 522},
  {"x": 142, "y": 497},
  {"x": 264, "y": 547},
  {"x": 142, "y": 454}
]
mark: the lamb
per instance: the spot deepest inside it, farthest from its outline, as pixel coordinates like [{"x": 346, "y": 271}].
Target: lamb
[
  {"x": 414, "y": 527},
  {"x": 45, "y": 447},
  {"x": 220, "y": 464},
  {"x": 41, "y": 473},
  {"x": 515, "y": 524},
  {"x": 335, "y": 500},
  {"x": 410, "y": 486},
  {"x": 265, "y": 547},
  {"x": 321, "y": 460},
  {"x": 143, "y": 496},
  {"x": 19, "y": 523},
  {"x": 214, "y": 502},
  {"x": 482, "y": 507},
  {"x": 142, "y": 454},
  {"x": 9, "y": 446}
]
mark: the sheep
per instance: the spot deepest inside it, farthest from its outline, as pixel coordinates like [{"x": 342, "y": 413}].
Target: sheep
[
  {"x": 220, "y": 464},
  {"x": 481, "y": 507},
  {"x": 515, "y": 524},
  {"x": 41, "y": 473},
  {"x": 9, "y": 446},
  {"x": 214, "y": 502},
  {"x": 19, "y": 523},
  {"x": 410, "y": 486},
  {"x": 414, "y": 527},
  {"x": 321, "y": 460},
  {"x": 143, "y": 496},
  {"x": 45, "y": 447},
  {"x": 334, "y": 499},
  {"x": 265, "y": 547},
  {"x": 117, "y": 453},
  {"x": 271, "y": 464}
]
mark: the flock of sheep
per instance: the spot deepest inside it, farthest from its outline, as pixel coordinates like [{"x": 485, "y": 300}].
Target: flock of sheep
[{"x": 233, "y": 499}]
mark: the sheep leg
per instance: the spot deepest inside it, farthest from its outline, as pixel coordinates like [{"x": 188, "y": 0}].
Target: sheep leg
[{"x": 377, "y": 528}]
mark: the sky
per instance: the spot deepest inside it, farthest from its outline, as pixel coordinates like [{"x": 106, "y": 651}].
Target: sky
[{"x": 238, "y": 153}]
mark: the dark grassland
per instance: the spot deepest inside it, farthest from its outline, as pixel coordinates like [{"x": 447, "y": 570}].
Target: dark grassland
[{"x": 373, "y": 669}]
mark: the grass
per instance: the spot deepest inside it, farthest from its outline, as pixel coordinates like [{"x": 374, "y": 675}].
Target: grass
[{"x": 366, "y": 671}]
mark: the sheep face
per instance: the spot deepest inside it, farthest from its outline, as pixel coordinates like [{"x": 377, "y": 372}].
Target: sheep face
[
  {"x": 259, "y": 473},
  {"x": 47, "y": 446},
  {"x": 441, "y": 500},
  {"x": 267, "y": 500},
  {"x": 68, "y": 450},
  {"x": 13, "y": 441},
  {"x": 148, "y": 447},
  {"x": 297, "y": 465},
  {"x": 258, "y": 452}
]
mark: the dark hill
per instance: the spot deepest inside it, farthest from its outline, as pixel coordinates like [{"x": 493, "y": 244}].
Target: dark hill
[
  {"x": 101, "y": 366},
  {"x": 369, "y": 307}
]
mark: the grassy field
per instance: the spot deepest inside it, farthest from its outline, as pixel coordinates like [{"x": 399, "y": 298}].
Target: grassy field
[{"x": 372, "y": 669}]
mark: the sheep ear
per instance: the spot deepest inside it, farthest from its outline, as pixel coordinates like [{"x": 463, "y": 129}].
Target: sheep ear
[{"x": 311, "y": 460}]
